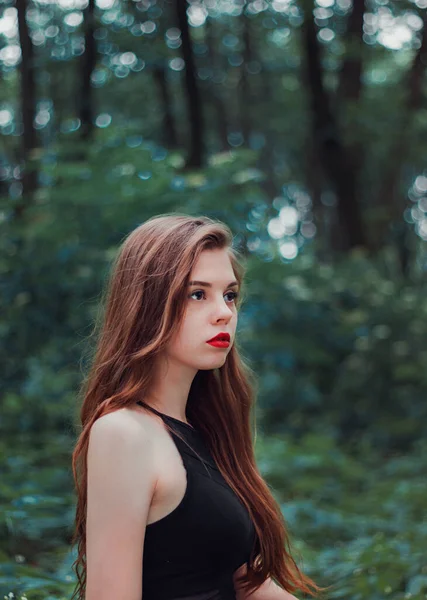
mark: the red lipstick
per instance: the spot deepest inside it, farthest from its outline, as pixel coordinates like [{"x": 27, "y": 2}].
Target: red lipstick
[{"x": 222, "y": 340}]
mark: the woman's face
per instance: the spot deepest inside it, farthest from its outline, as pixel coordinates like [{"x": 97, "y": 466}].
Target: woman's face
[{"x": 210, "y": 309}]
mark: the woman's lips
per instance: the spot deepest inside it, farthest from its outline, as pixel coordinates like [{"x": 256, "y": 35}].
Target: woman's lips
[
  {"x": 221, "y": 340},
  {"x": 219, "y": 343}
]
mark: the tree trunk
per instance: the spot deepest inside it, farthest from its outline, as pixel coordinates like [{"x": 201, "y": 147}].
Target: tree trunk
[
  {"x": 215, "y": 98},
  {"x": 88, "y": 64},
  {"x": 350, "y": 86},
  {"x": 28, "y": 109},
  {"x": 245, "y": 97},
  {"x": 390, "y": 200},
  {"x": 195, "y": 156},
  {"x": 322, "y": 214},
  {"x": 168, "y": 133},
  {"x": 350, "y": 83},
  {"x": 333, "y": 155}
]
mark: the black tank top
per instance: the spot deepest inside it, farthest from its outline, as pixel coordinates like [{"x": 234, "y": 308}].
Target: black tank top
[{"x": 192, "y": 552}]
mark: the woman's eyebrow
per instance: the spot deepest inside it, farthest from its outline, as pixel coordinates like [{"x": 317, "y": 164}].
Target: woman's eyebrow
[{"x": 207, "y": 284}]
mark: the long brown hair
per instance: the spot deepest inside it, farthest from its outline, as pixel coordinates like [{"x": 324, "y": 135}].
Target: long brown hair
[{"x": 142, "y": 306}]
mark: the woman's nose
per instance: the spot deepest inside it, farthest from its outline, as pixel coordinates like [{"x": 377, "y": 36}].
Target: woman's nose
[{"x": 224, "y": 310}]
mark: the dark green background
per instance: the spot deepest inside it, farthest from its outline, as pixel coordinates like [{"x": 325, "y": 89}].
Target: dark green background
[{"x": 303, "y": 127}]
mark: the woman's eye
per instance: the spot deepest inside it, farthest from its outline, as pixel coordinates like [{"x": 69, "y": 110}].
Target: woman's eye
[
  {"x": 233, "y": 294},
  {"x": 194, "y": 293}
]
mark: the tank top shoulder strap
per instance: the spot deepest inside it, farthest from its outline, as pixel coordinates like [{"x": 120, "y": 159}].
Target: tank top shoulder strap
[
  {"x": 150, "y": 408},
  {"x": 192, "y": 442},
  {"x": 166, "y": 418}
]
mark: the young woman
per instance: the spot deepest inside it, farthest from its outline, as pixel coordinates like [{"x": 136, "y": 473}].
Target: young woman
[{"x": 170, "y": 503}]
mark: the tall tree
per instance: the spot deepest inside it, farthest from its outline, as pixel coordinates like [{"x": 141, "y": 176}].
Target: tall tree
[
  {"x": 350, "y": 79},
  {"x": 215, "y": 98},
  {"x": 168, "y": 133},
  {"x": 349, "y": 88},
  {"x": 390, "y": 199},
  {"x": 88, "y": 63},
  {"x": 158, "y": 67},
  {"x": 245, "y": 96},
  {"x": 195, "y": 157},
  {"x": 28, "y": 108},
  {"x": 332, "y": 151}
]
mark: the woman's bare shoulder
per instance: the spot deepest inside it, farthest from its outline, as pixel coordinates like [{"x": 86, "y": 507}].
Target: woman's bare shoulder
[
  {"x": 121, "y": 480},
  {"x": 140, "y": 431},
  {"x": 128, "y": 421}
]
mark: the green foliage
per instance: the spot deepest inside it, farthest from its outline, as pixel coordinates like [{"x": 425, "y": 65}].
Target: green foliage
[
  {"x": 56, "y": 259},
  {"x": 340, "y": 349},
  {"x": 358, "y": 522}
]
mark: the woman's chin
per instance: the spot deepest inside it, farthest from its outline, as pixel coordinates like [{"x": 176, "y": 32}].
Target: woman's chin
[{"x": 212, "y": 363}]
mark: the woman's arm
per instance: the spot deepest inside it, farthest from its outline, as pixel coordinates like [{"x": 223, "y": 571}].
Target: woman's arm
[
  {"x": 120, "y": 486},
  {"x": 269, "y": 590}
]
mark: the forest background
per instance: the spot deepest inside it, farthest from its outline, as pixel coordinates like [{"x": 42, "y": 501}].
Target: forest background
[{"x": 303, "y": 126}]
